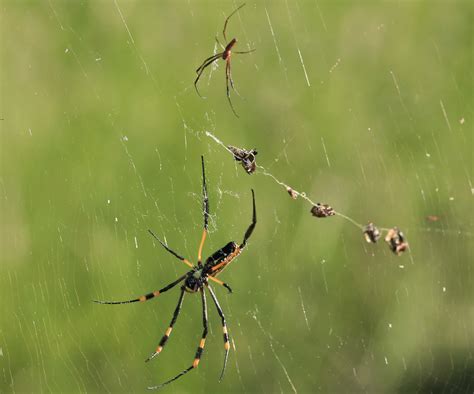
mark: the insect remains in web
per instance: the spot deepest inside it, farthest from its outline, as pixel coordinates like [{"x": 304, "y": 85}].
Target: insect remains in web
[
  {"x": 322, "y": 210},
  {"x": 396, "y": 241},
  {"x": 371, "y": 233},
  {"x": 226, "y": 55},
  {"x": 246, "y": 157},
  {"x": 197, "y": 280},
  {"x": 293, "y": 194},
  {"x": 394, "y": 237}
]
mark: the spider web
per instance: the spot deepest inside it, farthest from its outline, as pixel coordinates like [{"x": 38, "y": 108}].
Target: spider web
[{"x": 365, "y": 107}]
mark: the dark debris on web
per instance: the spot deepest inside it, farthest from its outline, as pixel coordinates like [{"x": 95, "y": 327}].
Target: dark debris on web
[
  {"x": 394, "y": 237},
  {"x": 245, "y": 157}
]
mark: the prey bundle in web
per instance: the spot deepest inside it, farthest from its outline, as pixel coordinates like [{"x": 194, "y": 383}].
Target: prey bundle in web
[{"x": 394, "y": 238}]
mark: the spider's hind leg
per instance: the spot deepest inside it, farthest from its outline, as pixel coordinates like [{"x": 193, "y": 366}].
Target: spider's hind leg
[
  {"x": 224, "y": 330},
  {"x": 200, "y": 348},
  {"x": 165, "y": 337},
  {"x": 228, "y": 77}
]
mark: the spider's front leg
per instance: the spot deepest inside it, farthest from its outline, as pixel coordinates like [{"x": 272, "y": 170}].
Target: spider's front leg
[
  {"x": 202, "y": 67},
  {"x": 205, "y": 207},
  {"x": 250, "y": 229}
]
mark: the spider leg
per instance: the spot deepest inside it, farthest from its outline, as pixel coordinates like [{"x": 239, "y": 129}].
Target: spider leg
[
  {"x": 205, "y": 204},
  {"x": 203, "y": 65},
  {"x": 249, "y": 231},
  {"x": 218, "y": 42},
  {"x": 230, "y": 73},
  {"x": 201, "y": 69},
  {"x": 214, "y": 279},
  {"x": 165, "y": 337},
  {"x": 243, "y": 53},
  {"x": 200, "y": 348},
  {"x": 145, "y": 297},
  {"x": 187, "y": 262},
  {"x": 232, "y": 83},
  {"x": 227, "y": 20},
  {"x": 227, "y": 78},
  {"x": 224, "y": 330}
]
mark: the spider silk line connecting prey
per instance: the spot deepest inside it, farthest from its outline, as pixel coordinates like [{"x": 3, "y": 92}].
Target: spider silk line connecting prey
[
  {"x": 394, "y": 237},
  {"x": 226, "y": 56},
  {"x": 197, "y": 280}
]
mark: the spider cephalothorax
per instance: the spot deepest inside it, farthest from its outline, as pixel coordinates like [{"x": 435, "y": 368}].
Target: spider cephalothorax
[{"x": 197, "y": 280}]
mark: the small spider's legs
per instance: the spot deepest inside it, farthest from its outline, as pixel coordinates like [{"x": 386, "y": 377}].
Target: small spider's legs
[
  {"x": 214, "y": 279},
  {"x": 228, "y": 78},
  {"x": 249, "y": 231},
  {"x": 218, "y": 42},
  {"x": 200, "y": 348},
  {"x": 145, "y": 297},
  {"x": 202, "y": 67},
  {"x": 205, "y": 205},
  {"x": 209, "y": 59},
  {"x": 230, "y": 74},
  {"x": 232, "y": 82},
  {"x": 243, "y": 53},
  {"x": 165, "y": 337},
  {"x": 224, "y": 330},
  {"x": 187, "y": 262},
  {"x": 227, "y": 20}
]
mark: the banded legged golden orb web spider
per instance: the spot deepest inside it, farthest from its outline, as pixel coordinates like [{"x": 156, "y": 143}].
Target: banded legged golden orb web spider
[{"x": 197, "y": 279}]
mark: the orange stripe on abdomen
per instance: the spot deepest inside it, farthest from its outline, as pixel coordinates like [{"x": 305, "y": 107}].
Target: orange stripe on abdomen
[{"x": 227, "y": 260}]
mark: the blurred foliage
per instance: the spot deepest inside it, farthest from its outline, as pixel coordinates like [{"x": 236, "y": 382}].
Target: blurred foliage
[{"x": 101, "y": 139}]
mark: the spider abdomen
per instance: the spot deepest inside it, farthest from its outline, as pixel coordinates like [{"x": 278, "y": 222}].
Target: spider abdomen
[
  {"x": 219, "y": 259},
  {"x": 227, "y": 51}
]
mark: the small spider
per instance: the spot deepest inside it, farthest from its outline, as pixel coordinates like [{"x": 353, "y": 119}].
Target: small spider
[
  {"x": 197, "y": 280},
  {"x": 225, "y": 55},
  {"x": 246, "y": 157}
]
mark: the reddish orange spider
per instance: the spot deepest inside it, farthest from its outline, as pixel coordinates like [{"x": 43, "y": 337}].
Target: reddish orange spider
[{"x": 225, "y": 55}]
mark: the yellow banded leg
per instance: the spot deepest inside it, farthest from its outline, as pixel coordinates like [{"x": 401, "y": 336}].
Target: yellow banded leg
[
  {"x": 220, "y": 283},
  {"x": 145, "y": 297},
  {"x": 205, "y": 203},
  {"x": 224, "y": 330},
  {"x": 165, "y": 337},
  {"x": 200, "y": 348}
]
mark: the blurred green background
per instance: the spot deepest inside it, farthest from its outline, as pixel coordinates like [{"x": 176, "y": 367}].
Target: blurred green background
[{"x": 367, "y": 106}]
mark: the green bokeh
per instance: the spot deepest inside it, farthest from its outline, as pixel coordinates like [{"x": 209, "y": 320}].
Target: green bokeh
[{"x": 101, "y": 140}]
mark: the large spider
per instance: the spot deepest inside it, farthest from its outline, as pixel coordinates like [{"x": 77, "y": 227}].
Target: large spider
[
  {"x": 197, "y": 280},
  {"x": 226, "y": 55}
]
